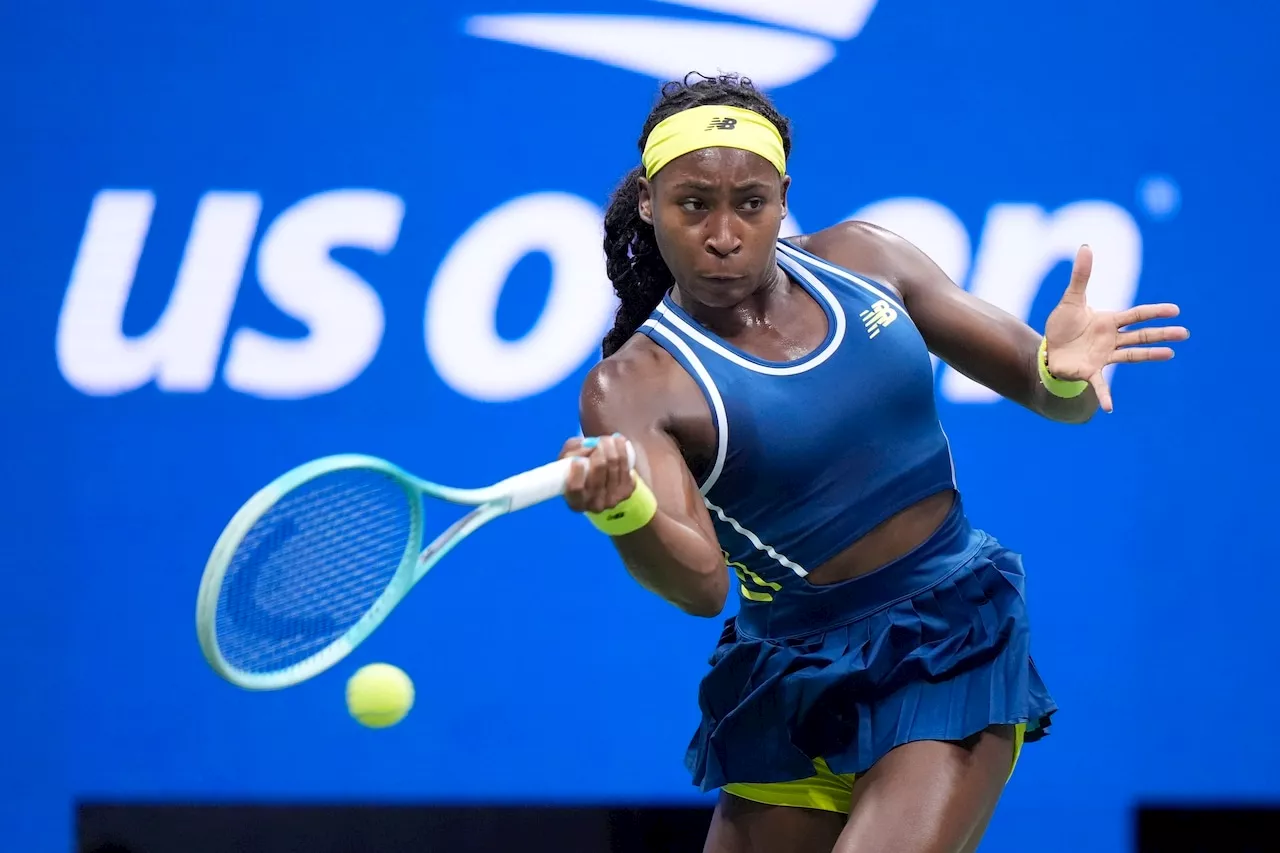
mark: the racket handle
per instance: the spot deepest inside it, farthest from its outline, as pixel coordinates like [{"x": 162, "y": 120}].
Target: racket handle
[
  {"x": 544, "y": 482},
  {"x": 533, "y": 487}
]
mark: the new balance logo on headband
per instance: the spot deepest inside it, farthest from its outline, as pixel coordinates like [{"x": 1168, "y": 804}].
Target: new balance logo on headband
[
  {"x": 722, "y": 124},
  {"x": 784, "y": 43}
]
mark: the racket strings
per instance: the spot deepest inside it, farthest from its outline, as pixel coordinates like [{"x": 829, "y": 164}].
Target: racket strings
[{"x": 310, "y": 568}]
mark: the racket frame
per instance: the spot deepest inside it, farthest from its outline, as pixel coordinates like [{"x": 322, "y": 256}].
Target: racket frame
[{"x": 513, "y": 493}]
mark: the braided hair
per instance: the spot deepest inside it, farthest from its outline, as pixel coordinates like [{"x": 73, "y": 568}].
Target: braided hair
[{"x": 640, "y": 277}]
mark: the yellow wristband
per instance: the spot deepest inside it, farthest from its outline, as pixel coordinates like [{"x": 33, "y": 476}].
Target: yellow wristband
[
  {"x": 1064, "y": 388},
  {"x": 629, "y": 515}
]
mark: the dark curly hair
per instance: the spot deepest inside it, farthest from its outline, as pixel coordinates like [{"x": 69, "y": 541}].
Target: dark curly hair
[{"x": 640, "y": 277}]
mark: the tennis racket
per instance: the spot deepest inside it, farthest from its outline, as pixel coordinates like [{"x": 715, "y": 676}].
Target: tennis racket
[{"x": 314, "y": 562}]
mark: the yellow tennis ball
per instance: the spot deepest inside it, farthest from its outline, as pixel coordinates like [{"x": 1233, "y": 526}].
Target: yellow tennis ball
[{"x": 379, "y": 695}]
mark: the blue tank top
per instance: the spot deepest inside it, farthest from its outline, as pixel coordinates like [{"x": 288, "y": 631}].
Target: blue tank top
[{"x": 812, "y": 454}]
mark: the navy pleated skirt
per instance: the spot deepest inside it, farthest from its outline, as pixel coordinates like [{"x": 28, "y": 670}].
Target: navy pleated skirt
[{"x": 934, "y": 646}]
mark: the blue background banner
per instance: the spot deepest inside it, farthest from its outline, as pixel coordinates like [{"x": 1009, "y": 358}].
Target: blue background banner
[{"x": 242, "y": 235}]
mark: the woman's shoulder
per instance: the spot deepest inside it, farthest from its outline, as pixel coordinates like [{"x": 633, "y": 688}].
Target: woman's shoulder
[
  {"x": 862, "y": 248},
  {"x": 639, "y": 381}
]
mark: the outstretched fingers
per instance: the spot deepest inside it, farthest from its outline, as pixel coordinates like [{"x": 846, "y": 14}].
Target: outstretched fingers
[
  {"x": 1152, "y": 335},
  {"x": 1102, "y": 389},
  {"x": 1143, "y": 313},
  {"x": 1134, "y": 355},
  {"x": 1080, "y": 272}
]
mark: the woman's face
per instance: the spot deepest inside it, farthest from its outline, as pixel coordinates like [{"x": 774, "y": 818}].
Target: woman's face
[{"x": 716, "y": 213}]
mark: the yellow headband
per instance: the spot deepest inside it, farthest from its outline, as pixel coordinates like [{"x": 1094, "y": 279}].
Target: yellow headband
[{"x": 712, "y": 127}]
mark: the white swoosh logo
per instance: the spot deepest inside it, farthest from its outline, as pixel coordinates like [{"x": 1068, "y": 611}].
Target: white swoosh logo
[
  {"x": 838, "y": 19},
  {"x": 669, "y": 48},
  {"x": 664, "y": 48}
]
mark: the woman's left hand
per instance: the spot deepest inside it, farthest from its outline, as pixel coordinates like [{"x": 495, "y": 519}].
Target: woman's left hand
[{"x": 1082, "y": 341}]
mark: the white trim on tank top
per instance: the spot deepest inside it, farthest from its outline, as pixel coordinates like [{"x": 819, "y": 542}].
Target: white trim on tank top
[
  {"x": 806, "y": 364},
  {"x": 755, "y": 541},
  {"x": 796, "y": 255},
  {"x": 703, "y": 378},
  {"x": 955, "y": 484}
]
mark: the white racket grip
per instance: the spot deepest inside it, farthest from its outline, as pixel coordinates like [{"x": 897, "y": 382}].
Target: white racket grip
[{"x": 544, "y": 482}]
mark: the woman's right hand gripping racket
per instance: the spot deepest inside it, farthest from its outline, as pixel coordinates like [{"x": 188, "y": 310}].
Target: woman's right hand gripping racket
[{"x": 309, "y": 567}]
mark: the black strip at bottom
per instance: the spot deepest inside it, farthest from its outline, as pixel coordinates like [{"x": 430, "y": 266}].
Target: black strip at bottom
[
  {"x": 1217, "y": 828},
  {"x": 153, "y": 828}
]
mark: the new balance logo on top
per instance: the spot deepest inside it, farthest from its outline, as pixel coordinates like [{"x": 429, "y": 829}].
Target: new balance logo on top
[
  {"x": 772, "y": 42},
  {"x": 722, "y": 124},
  {"x": 878, "y": 316}
]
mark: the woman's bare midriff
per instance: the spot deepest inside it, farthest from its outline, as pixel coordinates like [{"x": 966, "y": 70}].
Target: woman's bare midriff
[{"x": 892, "y": 538}]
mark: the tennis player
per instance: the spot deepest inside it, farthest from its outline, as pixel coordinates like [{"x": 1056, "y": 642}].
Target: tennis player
[{"x": 876, "y": 687}]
